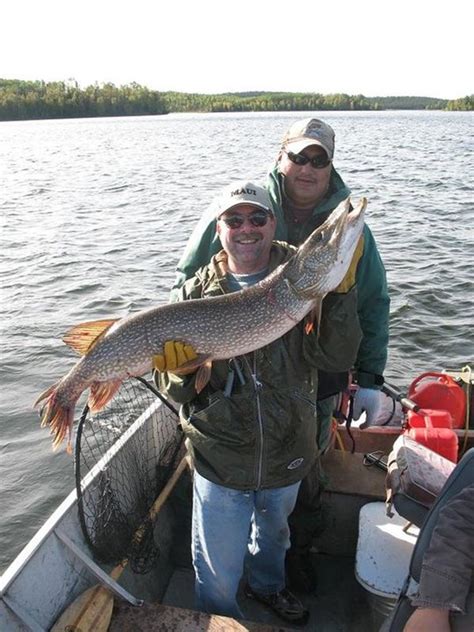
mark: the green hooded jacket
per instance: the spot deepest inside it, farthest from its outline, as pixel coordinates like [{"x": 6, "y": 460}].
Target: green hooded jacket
[
  {"x": 373, "y": 299},
  {"x": 254, "y": 425}
]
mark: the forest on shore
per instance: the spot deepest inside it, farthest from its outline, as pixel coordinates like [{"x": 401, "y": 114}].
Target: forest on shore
[{"x": 24, "y": 100}]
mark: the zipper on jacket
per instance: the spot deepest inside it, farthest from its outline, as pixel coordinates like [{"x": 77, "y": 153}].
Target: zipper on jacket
[{"x": 258, "y": 387}]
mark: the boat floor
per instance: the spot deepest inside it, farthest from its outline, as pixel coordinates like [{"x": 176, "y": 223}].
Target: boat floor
[{"x": 339, "y": 605}]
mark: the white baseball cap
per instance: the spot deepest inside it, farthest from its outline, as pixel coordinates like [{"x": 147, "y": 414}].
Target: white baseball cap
[{"x": 243, "y": 192}]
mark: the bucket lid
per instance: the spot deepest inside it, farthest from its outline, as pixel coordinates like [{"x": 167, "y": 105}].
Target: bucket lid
[{"x": 383, "y": 550}]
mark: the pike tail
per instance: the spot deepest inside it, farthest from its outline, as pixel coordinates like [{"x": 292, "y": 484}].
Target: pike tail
[
  {"x": 60, "y": 399},
  {"x": 57, "y": 416},
  {"x": 58, "y": 410}
]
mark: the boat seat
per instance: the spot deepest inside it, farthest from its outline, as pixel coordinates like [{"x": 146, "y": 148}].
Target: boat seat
[
  {"x": 416, "y": 475},
  {"x": 462, "y": 475}
]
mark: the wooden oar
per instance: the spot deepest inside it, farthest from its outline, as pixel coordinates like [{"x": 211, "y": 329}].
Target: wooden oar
[{"x": 92, "y": 610}]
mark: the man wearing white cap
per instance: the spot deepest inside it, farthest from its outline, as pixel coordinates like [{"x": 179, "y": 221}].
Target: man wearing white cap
[
  {"x": 305, "y": 188},
  {"x": 251, "y": 431}
]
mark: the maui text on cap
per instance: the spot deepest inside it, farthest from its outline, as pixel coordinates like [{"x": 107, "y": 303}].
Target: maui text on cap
[{"x": 243, "y": 192}]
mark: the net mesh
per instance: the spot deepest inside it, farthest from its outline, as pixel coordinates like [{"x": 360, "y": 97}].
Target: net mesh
[{"x": 123, "y": 458}]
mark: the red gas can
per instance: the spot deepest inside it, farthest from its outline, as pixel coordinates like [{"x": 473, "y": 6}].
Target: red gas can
[
  {"x": 438, "y": 391},
  {"x": 441, "y": 440},
  {"x": 432, "y": 428},
  {"x": 427, "y": 418}
]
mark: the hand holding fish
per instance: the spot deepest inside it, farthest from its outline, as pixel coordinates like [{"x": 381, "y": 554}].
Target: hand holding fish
[{"x": 175, "y": 355}]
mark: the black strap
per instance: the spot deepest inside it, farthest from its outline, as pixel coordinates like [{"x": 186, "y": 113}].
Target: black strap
[
  {"x": 347, "y": 419},
  {"x": 350, "y": 415}
]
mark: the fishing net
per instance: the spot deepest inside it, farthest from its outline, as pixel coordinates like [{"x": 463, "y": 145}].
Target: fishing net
[{"x": 124, "y": 455}]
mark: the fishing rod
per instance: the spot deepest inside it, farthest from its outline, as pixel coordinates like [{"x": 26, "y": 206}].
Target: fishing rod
[{"x": 397, "y": 396}]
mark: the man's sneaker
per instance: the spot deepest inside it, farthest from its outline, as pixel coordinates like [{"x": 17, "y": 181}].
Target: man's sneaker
[
  {"x": 283, "y": 603},
  {"x": 300, "y": 573}
]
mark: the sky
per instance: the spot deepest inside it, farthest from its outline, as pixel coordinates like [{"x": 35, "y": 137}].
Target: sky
[{"x": 369, "y": 47}]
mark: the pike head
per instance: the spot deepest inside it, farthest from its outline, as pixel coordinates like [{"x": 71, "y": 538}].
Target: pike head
[{"x": 323, "y": 259}]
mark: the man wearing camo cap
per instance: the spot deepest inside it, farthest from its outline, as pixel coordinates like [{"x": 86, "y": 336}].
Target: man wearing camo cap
[{"x": 305, "y": 187}]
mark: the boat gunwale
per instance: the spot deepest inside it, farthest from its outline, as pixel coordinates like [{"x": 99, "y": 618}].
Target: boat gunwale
[{"x": 34, "y": 544}]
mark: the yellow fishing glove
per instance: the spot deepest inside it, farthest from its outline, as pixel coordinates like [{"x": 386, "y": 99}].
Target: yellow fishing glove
[{"x": 174, "y": 354}]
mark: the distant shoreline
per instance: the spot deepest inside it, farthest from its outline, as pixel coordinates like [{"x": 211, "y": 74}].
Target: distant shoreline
[{"x": 37, "y": 100}]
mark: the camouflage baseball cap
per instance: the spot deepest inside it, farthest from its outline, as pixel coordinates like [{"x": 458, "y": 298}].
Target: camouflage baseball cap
[
  {"x": 308, "y": 132},
  {"x": 243, "y": 192}
]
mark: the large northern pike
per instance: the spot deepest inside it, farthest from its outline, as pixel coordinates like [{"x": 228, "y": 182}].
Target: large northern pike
[{"x": 218, "y": 328}]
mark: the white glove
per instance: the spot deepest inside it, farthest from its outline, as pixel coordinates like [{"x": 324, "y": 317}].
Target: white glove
[{"x": 370, "y": 400}]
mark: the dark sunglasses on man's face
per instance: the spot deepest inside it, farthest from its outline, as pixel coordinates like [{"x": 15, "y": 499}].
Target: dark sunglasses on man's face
[
  {"x": 318, "y": 162},
  {"x": 257, "y": 218}
]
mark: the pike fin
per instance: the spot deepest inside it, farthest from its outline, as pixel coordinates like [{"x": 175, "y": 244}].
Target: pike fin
[
  {"x": 45, "y": 395},
  {"x": 84, "y": 336},
  {"x": 57, "y": 417},
  {"x": 101, "y": 393},
  {"x": 314, "y": 318},
  {"x": 192, "y": 365},
  {"x": 203, "y": 376}
]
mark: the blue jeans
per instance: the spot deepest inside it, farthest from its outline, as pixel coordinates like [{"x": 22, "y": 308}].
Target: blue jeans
[{"x": 232, "y": 528}]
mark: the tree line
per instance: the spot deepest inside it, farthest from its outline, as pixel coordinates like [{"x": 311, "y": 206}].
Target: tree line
[{"x": 22, "y": 100}]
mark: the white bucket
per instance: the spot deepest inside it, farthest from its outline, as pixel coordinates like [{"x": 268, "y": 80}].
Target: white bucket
[
  {"x": 383, "y": 557},
  {"x": 380, "y": 608}
]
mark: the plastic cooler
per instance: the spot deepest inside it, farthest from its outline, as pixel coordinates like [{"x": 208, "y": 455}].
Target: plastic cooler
[{"x": 383, "y": 557}]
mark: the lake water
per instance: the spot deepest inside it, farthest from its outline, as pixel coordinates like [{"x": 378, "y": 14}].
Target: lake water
[{"x": 96, "y": 212}]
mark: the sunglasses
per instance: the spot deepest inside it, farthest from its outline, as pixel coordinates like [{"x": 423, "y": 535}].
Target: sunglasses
[
  {"x": 318, "y": 162},
  {"x": 257, "y": 219}
]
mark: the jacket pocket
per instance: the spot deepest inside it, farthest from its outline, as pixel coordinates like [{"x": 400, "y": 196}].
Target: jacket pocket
[
  {"x": 290, "y": 416},
  {"x": 226, "y": 421}
]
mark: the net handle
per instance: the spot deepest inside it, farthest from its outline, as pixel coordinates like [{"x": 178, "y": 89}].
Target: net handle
[
  {"x": 154, "y": 511},
  {"x": 77, "y": 475},
  {"x": 154, "y": 390}
]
